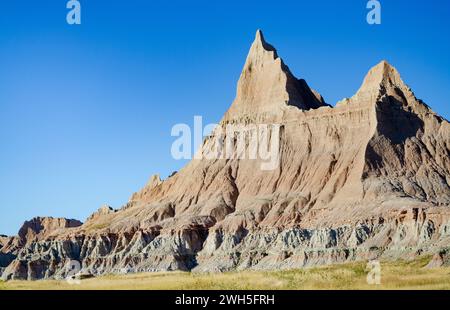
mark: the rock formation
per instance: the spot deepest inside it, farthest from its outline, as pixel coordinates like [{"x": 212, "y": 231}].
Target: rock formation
[
  {"x": 100, "y": 213},
  {"x": 33, "y": 231},
  {"x": 40, "y": 228},
  {"x": 366, "y": 179},
  {"x": 6, "y": 247}
]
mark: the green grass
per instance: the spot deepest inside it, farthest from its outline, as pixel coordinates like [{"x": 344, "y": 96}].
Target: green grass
[
  {"x": 95, "y": 227},
  {"x": 398, "y": 275}
]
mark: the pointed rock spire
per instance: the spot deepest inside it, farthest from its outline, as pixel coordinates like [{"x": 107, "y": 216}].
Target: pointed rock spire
[
  {"x": 261, "y": 43},
  {"x": 259, "y": 36},
  {"x": 267, "y": 85},
  {"x": 383, "y": 74},
  {"x": 154, "y": 181},
  {"x": 382, "y": 80}
]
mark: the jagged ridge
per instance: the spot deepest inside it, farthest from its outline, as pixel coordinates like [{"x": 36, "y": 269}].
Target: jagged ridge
[{"x": 366, "y": 179}]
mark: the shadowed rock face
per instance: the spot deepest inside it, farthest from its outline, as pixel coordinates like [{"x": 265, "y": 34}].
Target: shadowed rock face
[
  {"x": 367, "y": 179},
  {"x": 267, "y": 85},
  {"x": 40, "y": 228},
  {"x": 6, "y": 257},
  {"x": 32, "y": 232}
]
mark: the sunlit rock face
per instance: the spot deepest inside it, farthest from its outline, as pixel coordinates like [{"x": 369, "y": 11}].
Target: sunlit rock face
[{"x": 366, "y": 179}]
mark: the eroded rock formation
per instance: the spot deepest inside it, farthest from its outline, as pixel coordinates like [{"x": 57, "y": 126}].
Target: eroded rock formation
[{"x": 366, "y": 179}]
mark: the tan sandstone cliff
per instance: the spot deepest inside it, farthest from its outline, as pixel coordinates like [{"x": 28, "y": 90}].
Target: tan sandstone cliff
[{"x": 367, "y": 179}]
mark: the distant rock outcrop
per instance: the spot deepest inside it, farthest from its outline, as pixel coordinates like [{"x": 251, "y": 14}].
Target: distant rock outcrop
[
  {"x": 367, "y": 179},
  {"x": 6, "y": 257},
  {"x": 40, "y": 228},
  {"x": 3, "y": 240},
  {"x": 102, "y": 211},
  {"x": 31, "y": 232},
  {"x": 154, "y": 182}
]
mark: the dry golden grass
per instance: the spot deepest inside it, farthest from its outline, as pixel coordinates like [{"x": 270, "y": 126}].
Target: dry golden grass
[{"x": 400, "y": 275}]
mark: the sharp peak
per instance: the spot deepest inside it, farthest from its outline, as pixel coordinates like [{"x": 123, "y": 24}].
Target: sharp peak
[
  {"x": 266, "y": 82},
  {"x": 384, "y": 67},
  {"x": 260, "y": 41},
  {"x": 259, "y": 37},
  {"x": 382, "y": 74}
]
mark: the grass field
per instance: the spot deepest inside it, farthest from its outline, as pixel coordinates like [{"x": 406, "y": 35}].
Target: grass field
[{"x": 400, "y": 275}]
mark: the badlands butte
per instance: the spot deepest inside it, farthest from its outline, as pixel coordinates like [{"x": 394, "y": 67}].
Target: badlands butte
[{"x": 366, "y": 179}]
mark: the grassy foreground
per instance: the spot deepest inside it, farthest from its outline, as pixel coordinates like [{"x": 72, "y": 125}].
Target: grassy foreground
[{"x": 399, "y": 275}]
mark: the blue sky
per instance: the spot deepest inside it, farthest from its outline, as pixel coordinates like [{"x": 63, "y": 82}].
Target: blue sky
[{"x": 86, "y": 111}]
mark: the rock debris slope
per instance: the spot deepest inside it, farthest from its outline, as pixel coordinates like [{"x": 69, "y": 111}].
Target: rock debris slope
[{"x": 367, "y": 179}]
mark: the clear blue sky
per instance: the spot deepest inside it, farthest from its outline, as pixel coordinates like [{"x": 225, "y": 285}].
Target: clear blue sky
[{"x": 86, "y": 111}]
